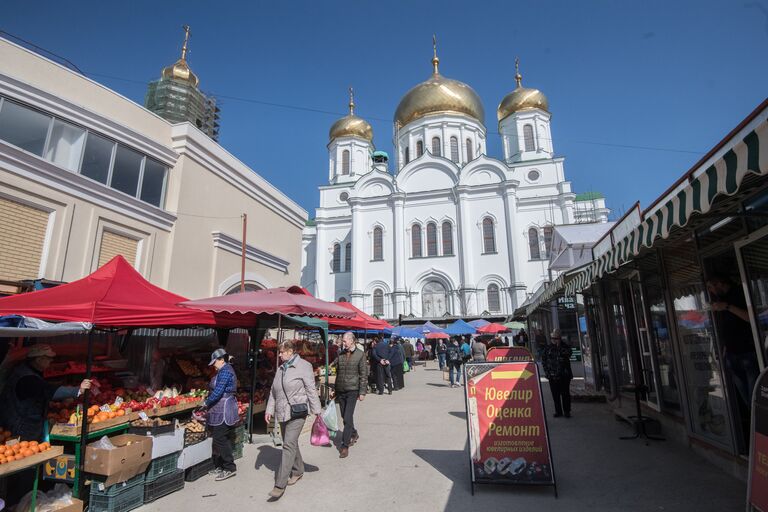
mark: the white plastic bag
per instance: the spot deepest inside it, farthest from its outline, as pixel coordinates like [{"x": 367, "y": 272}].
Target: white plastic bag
[
  {"x": 105, "y": 444},
  {"x": 329, "y": 416}
]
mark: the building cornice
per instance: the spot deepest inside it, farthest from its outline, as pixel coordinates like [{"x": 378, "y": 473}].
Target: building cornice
[
  {"x": 233, "y": 245},
  {"x": 31, "y": 167},
  {"x": 189, "y": 141}
]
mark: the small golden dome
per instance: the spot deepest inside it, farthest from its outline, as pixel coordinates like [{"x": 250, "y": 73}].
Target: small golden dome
[
  {"x": 351, "y": 125},
  {"x": 439, "y": 95},
  {"x": 522, "y": 98},
  {"x": 180, "y": 69}
]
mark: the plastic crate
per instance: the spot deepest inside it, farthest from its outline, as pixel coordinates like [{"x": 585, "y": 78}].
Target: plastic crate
[
  {"x": 198, "y": 470},
  {"x": 162, "y": 466},
  {"x": 119, "y": 497},
  {"x": 163, "y": 486},
  {"x": 152, "y": 431},
  {"x": 97, "y": 488}
]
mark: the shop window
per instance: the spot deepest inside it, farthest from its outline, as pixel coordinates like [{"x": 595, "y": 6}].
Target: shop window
[
  {"x": 24, "y": 127},
  {"x": 65, "y": 145},
  {"x": 416, "y": 241},
  {"x": 125, "y": 173},
  {"x": 454, "y": 150},
  {"x": 489, "y": 236},
  {"x": 348, "y": 257},
  {"x": 619, "y": 329},
  {"x": 97, "y": 158},
  {"x": 436, "y": 146},
  {"x": 447, "y": 239},
  {"x": 669, "y": 378},
  {"x": 431, "y": 239},
  {"x": 494, "y": 301},
  {"x": 336, "y": 262},
  {"x": 378, "y": 302},
  {"x": 378, "y": 244}
]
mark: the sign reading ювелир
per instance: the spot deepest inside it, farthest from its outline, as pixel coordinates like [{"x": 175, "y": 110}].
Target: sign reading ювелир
[{"x": 508, "y": 437}]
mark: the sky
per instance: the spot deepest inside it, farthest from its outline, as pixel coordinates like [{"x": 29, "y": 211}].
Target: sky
[{"x": 638, "y": 90}]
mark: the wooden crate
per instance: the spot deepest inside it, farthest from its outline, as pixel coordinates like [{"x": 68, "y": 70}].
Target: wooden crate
[{"x": 31, "y": 461}]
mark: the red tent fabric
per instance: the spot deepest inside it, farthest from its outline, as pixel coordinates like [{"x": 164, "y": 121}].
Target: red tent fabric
[
  {"x": 361, "y": 321},
  {"x": 436, "y": 336},
  {"x": 115, "y": 295},
  {"x": 286, "y": 301},
  {"x": 492, "y": 329}
]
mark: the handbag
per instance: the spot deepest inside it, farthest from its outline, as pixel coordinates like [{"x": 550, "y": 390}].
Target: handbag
[{"x": 298, "y": 411}]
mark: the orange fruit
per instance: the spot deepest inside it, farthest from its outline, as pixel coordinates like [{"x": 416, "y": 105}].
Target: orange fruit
[
  {"x": 121, "y": 412},
  {"x": 24, "y": 444},
  {"x": 26, "y": 452},
  {"x": 18, "y": 456},
  {"x": 34, "y": 449},
  {"x": 96, "y": 420},
  {"x": 33, "y": 443},
  {"x": 43, "y": 446}
]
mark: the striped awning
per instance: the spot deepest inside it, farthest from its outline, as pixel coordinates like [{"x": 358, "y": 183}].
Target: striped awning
[
  {"x": 548, "y": 292},
  {"x": 744, "y": 155}
]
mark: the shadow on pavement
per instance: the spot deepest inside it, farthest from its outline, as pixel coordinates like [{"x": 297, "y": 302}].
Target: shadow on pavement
[
  {"x": 270, "y": 457},
  {"x": 459, "y": 414},
  {"x": 434, "y": 384}
]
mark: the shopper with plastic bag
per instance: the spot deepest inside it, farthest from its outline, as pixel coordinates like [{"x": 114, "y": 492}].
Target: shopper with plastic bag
[
  {"x": 292, "y": 398},
  {"x": 351, "y": 387}
]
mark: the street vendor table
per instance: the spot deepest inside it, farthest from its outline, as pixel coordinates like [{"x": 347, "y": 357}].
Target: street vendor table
[
  {"x": 75, "y": 439},
  {"x": 33, "y": 461}
]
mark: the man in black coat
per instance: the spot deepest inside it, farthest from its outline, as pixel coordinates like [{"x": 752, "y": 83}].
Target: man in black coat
[
  {"x": 396, "y": 360},
  {"x": 381, "y": 355}
]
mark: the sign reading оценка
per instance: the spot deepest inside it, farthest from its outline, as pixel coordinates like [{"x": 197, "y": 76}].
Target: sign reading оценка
[{"x": 508, "y": 439}]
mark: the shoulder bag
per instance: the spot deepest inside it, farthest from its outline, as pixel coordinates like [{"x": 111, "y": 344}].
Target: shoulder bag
[{"x": 298, "y": 411}]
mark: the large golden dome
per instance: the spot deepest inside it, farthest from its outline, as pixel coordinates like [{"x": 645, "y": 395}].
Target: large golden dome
[
  {"x": 522, "y": 98},
  {"x": 351, "y": 125},
  {"x": 439, "y": 95},
  {"x": 180, "y": 69}
]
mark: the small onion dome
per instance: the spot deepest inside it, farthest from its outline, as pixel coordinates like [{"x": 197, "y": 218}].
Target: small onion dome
[
  {"x": 522, "y": 98},
  {"x": 438, "y": 95},
  {"x": 180, "y": 69},
  {"x": 351, "y": 125}
]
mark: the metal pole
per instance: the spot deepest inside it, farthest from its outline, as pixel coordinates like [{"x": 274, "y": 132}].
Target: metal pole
[
  {"x": 254, "y": 361},
  {"x": 84, "y": 426},
  {"x": 242, "y": 257}
]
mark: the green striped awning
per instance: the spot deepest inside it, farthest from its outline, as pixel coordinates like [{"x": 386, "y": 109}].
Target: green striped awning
[
  {"x": 724, "y": 177},
  {"x": 547, "y": 293}
]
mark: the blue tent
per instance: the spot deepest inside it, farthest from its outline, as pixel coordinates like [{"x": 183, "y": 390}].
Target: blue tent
[
  {"x": 459, "y": 328},
  {"x": 430, "y": 327},
  {"x": 479, "y": 323},
  {"x": 407, "y": 332}
]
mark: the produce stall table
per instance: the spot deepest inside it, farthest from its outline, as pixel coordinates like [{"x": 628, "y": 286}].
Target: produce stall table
[
  {"x": 76, "y": 440},
  {"x": 33, "y": 461}
]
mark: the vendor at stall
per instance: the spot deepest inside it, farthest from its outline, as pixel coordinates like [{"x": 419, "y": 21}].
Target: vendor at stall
[
  {"x": 26, "y": 394},
  {"x": 222, "y": 414}
]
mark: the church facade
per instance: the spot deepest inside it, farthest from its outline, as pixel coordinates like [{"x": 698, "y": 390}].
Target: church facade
[{"x": 441, "y": 229}]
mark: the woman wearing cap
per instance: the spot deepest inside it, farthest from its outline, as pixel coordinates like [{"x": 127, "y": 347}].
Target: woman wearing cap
[
  {"x": 26, "y": 395},
  {"x": 292, "y": 398},
  {"x": 556, "y": 359},
  {"x": 222, "y": 414}
]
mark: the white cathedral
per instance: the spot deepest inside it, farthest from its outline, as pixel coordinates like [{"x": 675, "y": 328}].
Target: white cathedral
[{"x": 449, "y": 231}]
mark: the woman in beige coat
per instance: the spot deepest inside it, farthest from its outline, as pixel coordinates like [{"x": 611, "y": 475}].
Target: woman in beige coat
[{"x": 294, "y": 384}]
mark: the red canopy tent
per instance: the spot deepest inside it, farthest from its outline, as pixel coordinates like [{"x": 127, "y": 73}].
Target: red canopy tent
[
  {"x": 492, "y": 329},
  {"x": 115, "y": 295},
  {"x": 361, "y": 321}
]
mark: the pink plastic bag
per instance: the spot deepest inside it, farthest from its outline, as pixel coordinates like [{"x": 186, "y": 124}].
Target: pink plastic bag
[{"x": 320, "y": 435}]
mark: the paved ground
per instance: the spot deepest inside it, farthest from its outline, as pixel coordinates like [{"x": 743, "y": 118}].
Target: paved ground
[{"x": 411, "y": 457}]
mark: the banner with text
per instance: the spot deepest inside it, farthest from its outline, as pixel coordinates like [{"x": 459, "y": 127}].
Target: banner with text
[
  {"x": 758, "y": 458},
  {"x": 512, "y": 354},
  {"x": 508, "y": 440}
]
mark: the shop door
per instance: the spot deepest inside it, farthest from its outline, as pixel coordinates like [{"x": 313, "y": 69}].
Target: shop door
[
  {"x": 648, "y": 367},
  {"x": 753, "y": 261}
]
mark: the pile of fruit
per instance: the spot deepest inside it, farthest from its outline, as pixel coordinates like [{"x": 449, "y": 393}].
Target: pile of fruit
[
  {"x": 21, "y": 450},
  {"x": 194, "y": 426},
  {"x": 189, "y": 368},
  {"x": 150, "y": 423},
  {"x": 97, "y": 415}
]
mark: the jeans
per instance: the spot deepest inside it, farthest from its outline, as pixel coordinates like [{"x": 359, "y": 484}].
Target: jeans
[
  {"x": 744, "y": 372},
  {"x": 347, "y": 401},
  {"x": 441, "y": 359},
  {"x": 223, "y": 443},
  {"x": 454, "y": 367},
  {"x": 292, "y": 463},
  {"x": 561, "y": 394}
]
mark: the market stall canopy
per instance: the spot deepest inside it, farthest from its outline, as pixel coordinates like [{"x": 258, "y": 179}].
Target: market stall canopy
[
  {"x": 406, "y": 332},
  {"x": 515, "y": 325},
  {"x": 430, "y": 327},
  {"x": 360, "y": 321},
  {"x": 14, "y": 326},
  {"x": 115, "y": 295},
  {"x": 478, "y": 323},
  {"x": 459, "y": 328},
  {"x": 285, "y": 301},
  {"x": 492, "y": 329},
  {"x": 437, "y": 336}
]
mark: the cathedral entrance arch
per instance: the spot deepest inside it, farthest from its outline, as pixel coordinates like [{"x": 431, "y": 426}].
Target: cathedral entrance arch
[{"x": 434, "y": 299}]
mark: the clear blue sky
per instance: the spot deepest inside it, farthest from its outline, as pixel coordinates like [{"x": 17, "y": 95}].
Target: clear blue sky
[{"x": 674, "y": 75}]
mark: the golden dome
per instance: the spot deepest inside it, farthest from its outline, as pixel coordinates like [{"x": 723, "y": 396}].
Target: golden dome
[
  {"x": 351, "y": 125},
  {"x": 522, "y": 98},
  {"x": 439, "y": 95},
  {"x": 180, "y": 69}
]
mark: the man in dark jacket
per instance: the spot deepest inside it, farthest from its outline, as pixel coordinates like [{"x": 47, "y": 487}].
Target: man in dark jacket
[
  {"x": 454, "y": 357},
  {"x": 381, "y": 355},
  {"x": 441, "y": 349},
  {"x": 556, "y": 359},
  {"x": 351, "y": 387},
  {"x": 409, "y": 353},
  {"x": 396, "y": 360}
]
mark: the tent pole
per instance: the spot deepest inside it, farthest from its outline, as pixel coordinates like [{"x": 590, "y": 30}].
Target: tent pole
[
  {"x": 253, "y": 355},
  {"x": 275, "y": 433},
  {"x": 84, "y": 427},
  {"x": 326, "y": 364}
]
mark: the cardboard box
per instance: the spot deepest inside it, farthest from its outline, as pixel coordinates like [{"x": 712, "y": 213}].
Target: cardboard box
[
  {"x": 62, "y": 468},
  {"x": 76, "y": 506},
  {"x": 165, "y": 444},
  {"x": 196, "y": 454},
  {"x": 131, "y": 456}
]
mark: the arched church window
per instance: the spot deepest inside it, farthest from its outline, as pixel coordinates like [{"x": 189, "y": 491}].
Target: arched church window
[
  {"x": 447, "y": 239},
  {"x": 454, "y": 149},
  {"x": 378, "y": 302},
  {"x": 494, "y": 302},
  {"x": 348, "y": 257},
  {"x": 336, "y": 262},
  {"x": 416, "y": 241},
  {"x": 378, "y": 244},
  {"x": 469, "y": 150},
  {"x": 345, "y": 162},
  {"x": 489, "y": 237},
  {"x": 528, "y": 138},
  {"x": 548, "y": 241},
  {"x": 436, "y": 146},
  {"x": 342, "y": 299},
  {"x": 533, "y": 243},
  {"x": 419, "y": 148},
  {"x": 431, "y": 239},
  {"x": 407, "y": 155}
]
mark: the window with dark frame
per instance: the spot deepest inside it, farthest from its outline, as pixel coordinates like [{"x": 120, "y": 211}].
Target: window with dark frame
[
  {"x": 416, "y": 241},
  {"x": 378, "y": 244},
  {"x": 494, "y": 300},
  {"x": 489, "y": 237},
  {"x": 336, "y": 262},
  {"x": 469, "y": 150},
  {"x": 345, "y": 162},
  {"x": 348, "y": 257},
  {"x": 528, "y": 138},
  {"x": 454, "y": 149},
  {"x": 436, "y": 146},
  {"x": 431, "y": 239},
  {"x": 419, "y": 148},
  {"x": 447, "y": 238},
  {"x": 533, "y": 244},
  {"x": 548, "y": 241},
  {"x": 378, "y": 302}
]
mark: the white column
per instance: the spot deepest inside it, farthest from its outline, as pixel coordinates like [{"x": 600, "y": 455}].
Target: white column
[
  {"x": 358, "y": 251},
  {"x": 399, "y": 297},
  {"x": 516, "y": 287},
  {"x": 466, "y": 252},
  {"x": 321, "y": 262}
]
